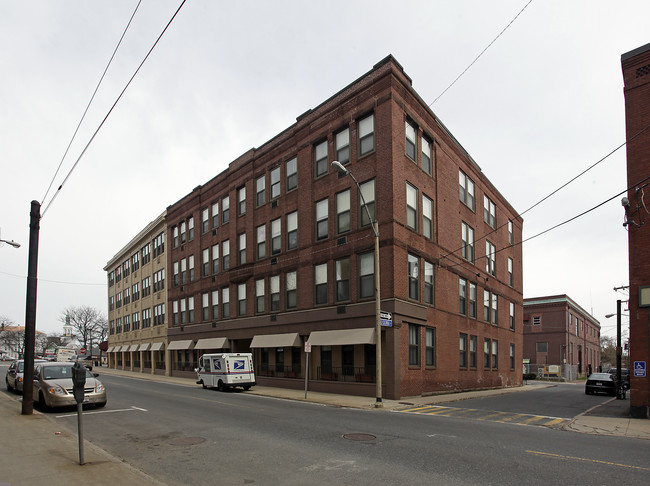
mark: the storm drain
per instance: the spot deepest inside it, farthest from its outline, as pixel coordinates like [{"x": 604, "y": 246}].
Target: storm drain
[
  {"x": 187, "y": 441},
  {"x": 359, "y": 437}
]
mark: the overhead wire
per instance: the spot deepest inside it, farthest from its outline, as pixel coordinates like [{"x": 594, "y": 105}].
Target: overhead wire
[
  {"x": 112, "y": 108},
  {"x": 83, "y": 116}
]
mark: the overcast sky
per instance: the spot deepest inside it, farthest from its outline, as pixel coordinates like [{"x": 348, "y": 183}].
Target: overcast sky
[{"x": 541, "y": 105}]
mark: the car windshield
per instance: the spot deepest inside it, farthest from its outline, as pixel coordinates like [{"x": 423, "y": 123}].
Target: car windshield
[
  {"x": 57, "y": 372},
  {"x": 600, "y": 376},
  {"x": 21, "y": 367}
]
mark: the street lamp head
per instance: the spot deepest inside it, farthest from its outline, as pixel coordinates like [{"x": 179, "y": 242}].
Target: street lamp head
[
  {"x": 338, "y": 166},
  {"x": 12, "y": 243}
]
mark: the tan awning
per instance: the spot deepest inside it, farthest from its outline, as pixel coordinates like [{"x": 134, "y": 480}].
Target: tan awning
[
  {"x": 144, "y": 347},
  {"x": 289, "y": 340},
  {"x": 181, "y": 345},
  {"x": 117, "y": 349},
  {"x": 342, "y": 336},
  {"x": 110, "y": 349},
  {"x": 157, "y": 346},
  {"x": 213, "y": 343},
  {"x": 133, "y": 347}
]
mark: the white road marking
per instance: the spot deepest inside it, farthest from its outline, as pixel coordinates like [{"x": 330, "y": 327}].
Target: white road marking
[{"x": 104, "y": 411}]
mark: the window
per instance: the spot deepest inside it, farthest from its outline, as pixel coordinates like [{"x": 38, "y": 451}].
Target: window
[
  {"x": 428, "y": 283},
  {"x": 241, "y": 256},
  {"x": 215, "y": 259},
  {"x": 430, "y": 346},
  {"x": 215, "y": 304},
  {"x": 473, "y": 346},
  {"x": 225, "y": 302},
  {"x": 205, "y": 220},
  {"x": 495, "y": 310},
  {"x": 205, "y": 306},
  {"x": 343, "y": 211},
  {"x": 511, "y": 236},
  {"x": 276, "y": 236},
  {"x": 342, "y": 142},
  {"x": 135, "y": 291},
  {"x": 486, "y": 305},
  {"x": 510, "y": 275},
  {"x": 292, "y": 230},
  {"x": 261, "y": 242},
  {"x": 366, "y": 130},
  {"x": 462, "y": 346},
  {"x": 135, "y": 321},
  {"x": 462, "y": 296},
  {"x": 215, "y": 214},
  {"x": 158, "y": 246},
  {"x": 468, "y": 242},
  {"x": 259, "y": 296},
  {"x": 175, "y": 320},
  {"x": 495, "y": 354},
  {"x": 414, "y": 277},
  {"x": 512, "y": 356},
  {"x": 190, "y": 265},
  {"x": 466, "y": 190},
  {"x": 410, "y": 141},
  {"x": 275, "y": 183},
  {"x": 225, "y": 255},
  {"x": 486, "y": 354},
  {"x": 190, "y": 229},
  {"x": 190, "y": 309},
  {"x": 175, "y": 237},
  {"x": 414, "y": 345},
  {"x": 411, "y": 207},
  {"x": 260, "y": 191},
  {"x": 241, "y": 299},
  {"x": 127, "y": 323},
  {"x": 135, "y": 260},
  {"x": 343, "y": 279},
  {"x": 368, "y": 195},
  {"x": 292, "y": 174},
  {"x": 205, "y": 262},
  {"x": 225, "y": 210},
  {"x": 537, "y": 320},
  {"x": 146, "y": 286},
  {"x": 541, "y": 347},
  {"x": 427, "y": 217},
  {"x": 322, "y": 209},
  {"x": 183, "y": 311},
  {"x": 183, "y": 271},
  {"x": 427, "y": 165},
  {"x": 366, "y": 275},
  {"x": 241, "y": 201},
  {"x": 490, "y": 258},
  {"x": 472, "y": 300},
  {"x": 274, "y": 288},
  {"x": 146, "y": 253},
  {"x": 127, "y": 296},
  {"x": 320, "y": 159},
  {"x": 489, "y": 212},
  {"x": 291, "y": 288},
  {"x": 320, "y": 284}
]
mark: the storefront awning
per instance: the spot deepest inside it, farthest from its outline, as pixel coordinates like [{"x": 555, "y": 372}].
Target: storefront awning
[
  {"x": 144, "y": 347},
  {"x": 110, "y": 350},
  {"x": 157, "y": 346},
  {"x": 133, "y": 347},
  {"x": 213, "y": 343},
  {"x": 289, "y": 340},
  {"x": 181, "y": 345},
  {"x": 117, "y": 349},
  {"x": 342, "y": 336}
]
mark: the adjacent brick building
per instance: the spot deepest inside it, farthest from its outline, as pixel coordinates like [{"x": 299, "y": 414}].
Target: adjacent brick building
[
  {"x": 636, "y": 76},
  {"x": 278, "y": 248},
  {"x": 561, "y": 339}
]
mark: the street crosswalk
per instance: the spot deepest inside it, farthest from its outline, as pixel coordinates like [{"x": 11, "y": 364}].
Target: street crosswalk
[{"x": 492, "y": 416}]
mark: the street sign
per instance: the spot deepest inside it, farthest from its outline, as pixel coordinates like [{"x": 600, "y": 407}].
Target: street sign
[
  {"x": 307, "y": 347},
  {"x": 639, "y": 369},
  {"x": 386, "y": 319}
]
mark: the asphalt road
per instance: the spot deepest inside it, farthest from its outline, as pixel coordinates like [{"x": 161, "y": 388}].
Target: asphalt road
[{"x": 188, "y": 435}]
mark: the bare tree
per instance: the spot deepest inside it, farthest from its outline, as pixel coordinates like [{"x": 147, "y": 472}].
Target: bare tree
[{"x": 87, "y": 323}]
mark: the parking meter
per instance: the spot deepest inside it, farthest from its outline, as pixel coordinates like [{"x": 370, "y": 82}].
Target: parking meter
[{"x": 78, "y": 381}]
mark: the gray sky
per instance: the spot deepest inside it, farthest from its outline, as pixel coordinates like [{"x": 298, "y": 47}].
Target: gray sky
[{"x": 541, "y": 105}]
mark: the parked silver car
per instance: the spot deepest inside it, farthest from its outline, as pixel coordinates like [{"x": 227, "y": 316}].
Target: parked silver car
[
  {"x": 53, "y": 386},
  {"x": 14, "y": 376}
]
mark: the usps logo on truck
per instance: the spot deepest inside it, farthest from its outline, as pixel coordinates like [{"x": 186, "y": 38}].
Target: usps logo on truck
[
  {"x": 240, "y": 364},
  {"x": 216, "y": 364}
]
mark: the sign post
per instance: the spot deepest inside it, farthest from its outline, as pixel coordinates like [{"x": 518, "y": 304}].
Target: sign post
[
  {"x": 307, "y": 353},
  {"x": 78, "y": 384}
]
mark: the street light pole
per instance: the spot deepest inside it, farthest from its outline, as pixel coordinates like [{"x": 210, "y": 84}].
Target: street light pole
[
  {"x": 375, "y": 228},
  {"x": 619, "y": 385}
]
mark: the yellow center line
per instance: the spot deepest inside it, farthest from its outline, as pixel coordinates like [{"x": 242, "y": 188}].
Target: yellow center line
[{"x": 582, "y": 459}]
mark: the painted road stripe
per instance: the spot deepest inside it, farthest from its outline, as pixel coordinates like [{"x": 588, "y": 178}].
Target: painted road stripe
[
  {"x": 501, "y": 417},
  {"x": 583, "y": 459}
]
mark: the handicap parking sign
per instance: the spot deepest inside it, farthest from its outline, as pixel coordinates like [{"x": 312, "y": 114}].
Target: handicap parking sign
[{"x": 639, "y": 369}]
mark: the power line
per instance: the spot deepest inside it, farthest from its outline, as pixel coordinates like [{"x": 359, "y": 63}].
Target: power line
[
  {"x": 112, "y": 108},
  {"x": 482, "y": 52},
  {"x": 89, "y": 103}
]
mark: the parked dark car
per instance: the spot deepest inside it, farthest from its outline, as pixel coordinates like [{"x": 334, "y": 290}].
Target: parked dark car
[
  {"x": 600, "y": 383},
  {"x": 625, "y": 376}
]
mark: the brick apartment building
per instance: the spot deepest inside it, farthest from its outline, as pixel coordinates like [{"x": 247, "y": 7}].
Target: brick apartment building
[
  {"x": 560, "y": 338},
  {"x": 137, "y": 302},
  {"x": 636, "y": 76},
  {"x": 277, "y": 250}
]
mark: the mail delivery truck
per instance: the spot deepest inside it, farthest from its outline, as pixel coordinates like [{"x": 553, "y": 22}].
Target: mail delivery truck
[{"x": 226, "y": 370}]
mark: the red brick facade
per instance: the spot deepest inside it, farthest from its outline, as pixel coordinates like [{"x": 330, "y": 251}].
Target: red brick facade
[
  {"x": 385, "y": 94},
  {"x": 636, "y": 76}
]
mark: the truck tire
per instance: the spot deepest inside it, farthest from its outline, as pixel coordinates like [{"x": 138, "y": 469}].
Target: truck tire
[
  {"x": 247, "y": 387},
  {"x": 221, "y": 386}
]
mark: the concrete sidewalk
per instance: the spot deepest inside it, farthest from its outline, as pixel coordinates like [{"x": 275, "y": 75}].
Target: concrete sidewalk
[{"x": 36, "y": 451}]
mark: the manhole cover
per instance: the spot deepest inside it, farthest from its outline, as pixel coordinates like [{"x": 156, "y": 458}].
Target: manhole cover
[
  {"x": 187, "y": 441},
  {"x": 359, "y": 437}
]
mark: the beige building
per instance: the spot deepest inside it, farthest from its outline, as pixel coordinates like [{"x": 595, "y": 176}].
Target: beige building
[{"x": 137, "y": 303}]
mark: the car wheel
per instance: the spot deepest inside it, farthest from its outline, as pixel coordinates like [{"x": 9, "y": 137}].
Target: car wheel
[
  {"x": 42, "y": 403},
  {"x": 586, "y": 392},
  {"x": 204, "y": 385},
  {"x": 221, "y": 386},
  {"x": 8, "y": 385},
  {"x": 247, "y": 387},
  {"x": 100, "y": 404}
]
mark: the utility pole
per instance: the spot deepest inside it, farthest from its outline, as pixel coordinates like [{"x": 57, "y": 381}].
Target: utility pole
[
  {"x": 619, "y": 387},
  {"x": 30, "y": 309}
]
